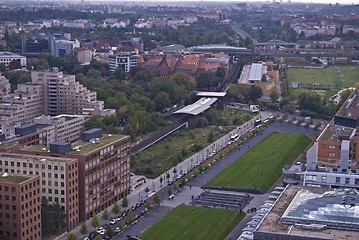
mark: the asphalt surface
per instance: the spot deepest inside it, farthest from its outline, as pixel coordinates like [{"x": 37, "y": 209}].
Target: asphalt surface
[{"x": 193, "y": 188}]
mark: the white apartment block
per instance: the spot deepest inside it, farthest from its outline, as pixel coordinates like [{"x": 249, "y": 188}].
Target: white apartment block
[
  {"x": 63, "y": 95},
  {"x": 124, "y": 60},
  {"x": 61, "y": 128},
  {"x": 7, "y": 57},
  {"x": 20, "y": 107}
]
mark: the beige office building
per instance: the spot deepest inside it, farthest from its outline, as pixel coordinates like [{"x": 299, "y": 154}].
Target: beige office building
[{"x": 58, "y": 178}]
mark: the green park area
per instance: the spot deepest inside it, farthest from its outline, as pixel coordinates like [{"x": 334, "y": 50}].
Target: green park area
[
  {"x": 262, "y": 165},
  {"x": 342, "y": 75},
  {"x": 187, "y": 222},
  {"x": 172, "y": 150}
]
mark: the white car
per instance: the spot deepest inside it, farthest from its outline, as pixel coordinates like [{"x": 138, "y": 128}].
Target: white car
[
  {"x": 101, "y": 232},
  {"x": 113, "y": 221},
  {"x": 117, "y": 230}
]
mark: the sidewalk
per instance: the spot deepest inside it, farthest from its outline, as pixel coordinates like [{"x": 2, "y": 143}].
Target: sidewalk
[{"x": 154, "y": 185}]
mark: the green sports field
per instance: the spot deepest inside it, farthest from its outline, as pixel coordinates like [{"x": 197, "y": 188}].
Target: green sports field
[
  {"x": 187, "y": 222},
  {"x": 326, "y": 75},
  {"x": 262, "y": 165}
]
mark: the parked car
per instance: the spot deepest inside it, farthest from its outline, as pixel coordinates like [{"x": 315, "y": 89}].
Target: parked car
[{"x": 142, "y": 213}]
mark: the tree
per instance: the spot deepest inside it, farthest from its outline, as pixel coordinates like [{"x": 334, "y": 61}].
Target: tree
[
  {"x": 274, "y": 95},
  {"x": 210, "y": 137},
  {"x": 254, "y": 93},
  {"x": 149, "y": 204},
  {"x": 71, "y": 236},
  {"x": 116, "y": 209},
  {"x": 98, "y": 237},
  {"x": 124, "y": 202},
  {"x": 121, "y": 225},
  {"x": 176, "y": 186},
  {"x": 119, "y": 73},
  {"x": 15, "y": 64},
  {"x": 83, "y": 229},
  {"x": 110, "y": 232},
  {"x": 264, "y": 78},
  {"x": 130, "y": 217},
  {"x": 161, "y": 180},
  {"x": 105, "y": 215},
  {"x": 157, "y": 199},
  {"x": 162, "y": 101},
  {"x": 183, "y": 182},
  {"x": 95, "y": 222}
]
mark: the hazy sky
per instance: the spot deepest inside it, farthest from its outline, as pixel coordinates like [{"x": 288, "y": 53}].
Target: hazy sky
[{"x": 303, "y": 1}]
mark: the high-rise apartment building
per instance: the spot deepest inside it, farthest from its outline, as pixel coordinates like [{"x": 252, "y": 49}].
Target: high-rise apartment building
[
  {"x": 20, "y": 201},
  {"x": 50, "y": 93},
  {"x": 20, "y": 107},
  {"x": 63, "y": 95}
]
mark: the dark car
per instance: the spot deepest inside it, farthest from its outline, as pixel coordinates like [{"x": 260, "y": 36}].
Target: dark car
[{"x": 93, "y": 235}]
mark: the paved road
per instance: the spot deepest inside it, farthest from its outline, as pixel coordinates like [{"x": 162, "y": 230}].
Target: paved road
[{"x": 185, "y": 196}]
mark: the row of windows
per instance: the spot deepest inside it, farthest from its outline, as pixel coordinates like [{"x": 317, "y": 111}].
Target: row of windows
[
  {"x": 324, "y": 179},
  {"x": 31, "y": 165}
]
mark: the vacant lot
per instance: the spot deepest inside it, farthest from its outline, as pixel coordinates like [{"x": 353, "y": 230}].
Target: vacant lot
[
  {"x": 187, "y": 222},
  {"x": 262, "y": 165},
  {"x": 328, "y": 76}
]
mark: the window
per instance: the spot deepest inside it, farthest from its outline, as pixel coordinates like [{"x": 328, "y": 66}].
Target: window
[
  {"x": 331, "y": 154},
  {"x": 324, "y": 179},
  {"x": 347, "y": 180},
  {"x": 357, "y": 181},
  {"x": 337, "y": 180},
  {"x": 24, "y": 165},
  {"x": 311, "y": 178}
]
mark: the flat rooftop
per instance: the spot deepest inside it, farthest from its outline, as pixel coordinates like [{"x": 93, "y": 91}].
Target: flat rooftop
[
  {"x": 11, "y": 157},
  {"x": 256, "y": 72},
  {"x": 300, "y": 205},
  {"x": 87, "y": 147},
  {"x": 211, "y": 94},
  {"x": 198, "y": 107},
  {"x": 13, "y": 178},
  {"x": 336, "y": 133}
]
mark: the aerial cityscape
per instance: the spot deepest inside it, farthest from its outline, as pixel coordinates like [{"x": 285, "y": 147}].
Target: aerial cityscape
[{"x": 179, "y": 120}]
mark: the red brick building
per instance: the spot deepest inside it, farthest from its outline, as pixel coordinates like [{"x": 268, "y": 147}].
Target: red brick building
[
  {"x": 20, "y": 206},
  {"x": 192, "y": 65}
]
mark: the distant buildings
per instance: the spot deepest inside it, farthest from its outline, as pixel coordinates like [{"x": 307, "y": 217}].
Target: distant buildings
[
  {"x": 61, "y": 47},
  {"x": 191, "y": 64},
  {"x": 51, "y": 93},
  {"x": 124, "y": 60},
  {"x": 255, "y": 74},
  {"x": 7, "y": 57}
]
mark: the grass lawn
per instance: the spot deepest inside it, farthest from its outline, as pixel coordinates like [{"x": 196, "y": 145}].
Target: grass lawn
[
  {"x": 267, "y": 157},
  {"x": 326, "y": 76},
  {"x": 322, "y": 93},
  {"x": 183, "y": 223}
]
